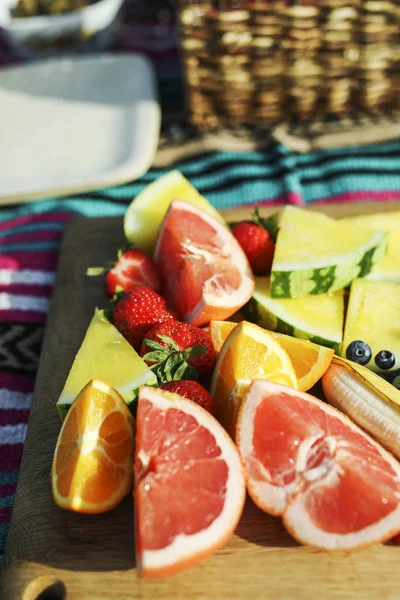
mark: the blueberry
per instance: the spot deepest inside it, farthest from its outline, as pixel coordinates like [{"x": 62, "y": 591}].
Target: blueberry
[
  {"x": 359, "y": 352},
  {"x": 385, "y": 360}
]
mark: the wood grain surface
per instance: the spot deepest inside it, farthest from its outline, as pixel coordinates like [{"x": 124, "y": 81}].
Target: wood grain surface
[{"x": 54, "y": 554}]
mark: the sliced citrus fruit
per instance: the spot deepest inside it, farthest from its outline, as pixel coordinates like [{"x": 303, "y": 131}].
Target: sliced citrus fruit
[
  {"x": 92, "y": 465},
  {"x": 249, "y": 352},
  {"x": 317, "y": 318},
  {"x": 333, "y": 485},
  {"x": 106, "y": 355},
  {"x": 204, "y": 271},
  {"x": 388, "y": 268},
  {"x": 189, "y": 484},
  {"x": 146, "y": 212},
  {"x": 310, "y": 361},
  {"x": 315, "y": 254}
]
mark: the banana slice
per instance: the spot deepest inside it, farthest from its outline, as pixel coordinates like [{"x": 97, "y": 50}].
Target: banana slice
[{"x": 367, "y": 399}]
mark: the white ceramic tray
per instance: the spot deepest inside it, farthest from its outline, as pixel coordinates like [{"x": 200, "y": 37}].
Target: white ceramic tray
[{"x": 75, "y": 124}]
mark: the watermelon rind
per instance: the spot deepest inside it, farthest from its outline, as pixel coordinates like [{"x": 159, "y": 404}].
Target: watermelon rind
[
  {"x": 317, "y": 319},
  {"x": 316, "y": 254}
]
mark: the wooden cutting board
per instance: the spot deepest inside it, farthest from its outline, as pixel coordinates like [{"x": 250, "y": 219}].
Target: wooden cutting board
[{"x": 54, "y": 554}]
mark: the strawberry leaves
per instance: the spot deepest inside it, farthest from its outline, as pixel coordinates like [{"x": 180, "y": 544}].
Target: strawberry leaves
[
  {"x": 170, "y": 363},
  {"x": 270, "y": 224}
]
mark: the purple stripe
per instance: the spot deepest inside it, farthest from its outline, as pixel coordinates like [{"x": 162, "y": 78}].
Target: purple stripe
[
  {"x": 45, "y": 260},
  {"x": 8, "y": 489},
  {"x": 47, "y": 218},
  {"x": 11, "y": 455},
  {"x": 17, "y": 383},
  {"x": 5, "y": 515},
  {"x": 41, "y": 291},
  {"x": 32, "y": 236},
  {"x": 22, "y": 316},
  {"x": 13, "y": 416}
]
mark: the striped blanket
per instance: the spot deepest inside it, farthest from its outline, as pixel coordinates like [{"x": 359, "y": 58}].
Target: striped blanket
[{"x": 31, "y": 234}]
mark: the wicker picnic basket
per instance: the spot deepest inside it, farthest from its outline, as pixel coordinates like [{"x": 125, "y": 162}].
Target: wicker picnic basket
[{"x": 272, "y": 61}]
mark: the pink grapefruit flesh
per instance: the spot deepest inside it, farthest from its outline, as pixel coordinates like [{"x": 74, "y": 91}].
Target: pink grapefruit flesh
[
  {"x": 204, "y": 271},
  {"x": 189, "y": 484},
  {"x": 333, "y": 485}
]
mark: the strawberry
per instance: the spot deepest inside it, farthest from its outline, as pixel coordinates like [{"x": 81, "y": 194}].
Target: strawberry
[
  {"x": 193, "y": 391},
  {"x": 178, "y": 350},
  {"x": 136, "y": 311},
  {"x": 133, "y": 268},
  {"x": 257, "y": 242}
]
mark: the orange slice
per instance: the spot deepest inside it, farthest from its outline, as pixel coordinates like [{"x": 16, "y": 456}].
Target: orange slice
[
  {"x": 92, "y": 465},
  {"x": 310, "y": 361},
  {"x": 189, "y": 484},
  {"x": 334, "y": 487},
  {"x": 249, "y": 352},
  {"x": 204, "y": 271}
]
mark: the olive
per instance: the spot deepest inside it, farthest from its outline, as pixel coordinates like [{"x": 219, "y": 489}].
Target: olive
[
  {"x": 385, "y": 360},
  {"x": 359, "y": 352}
]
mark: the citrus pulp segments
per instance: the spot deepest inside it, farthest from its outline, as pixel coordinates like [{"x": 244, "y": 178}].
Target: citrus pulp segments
[
  {"x": 205, "y": 272},
  {"x": 310, "y": 361},
  {"x": 106, "y": 355},
  {"x": 92, "y": 464},
  {"x": 248, "y": 353},
  {"x": 145, "y": 213},
  {"x": 373, "y": 316},
  {"x": 315, "y": 254},
  {"x": 333, "y": 485},
  {"x": 388, "y": 268},
  {"x": 184, "y": 453},
  {"x": 317, "y": 318}
]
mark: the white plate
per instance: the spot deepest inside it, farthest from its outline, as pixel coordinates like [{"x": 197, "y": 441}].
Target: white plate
[{"x": 75, "y": 124}]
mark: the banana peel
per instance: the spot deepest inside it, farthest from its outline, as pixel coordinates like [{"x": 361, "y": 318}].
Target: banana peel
[{"x": 369, "y": 400}]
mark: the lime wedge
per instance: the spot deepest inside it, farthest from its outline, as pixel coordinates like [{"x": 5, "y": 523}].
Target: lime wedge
[
  {"x": 105, "y": 355},
  {"x": 316, "y": 254},
  {"x": 388, "y": 268},
  {"x": 315, "y": 318},
  {"x": 146, "y": 212}
]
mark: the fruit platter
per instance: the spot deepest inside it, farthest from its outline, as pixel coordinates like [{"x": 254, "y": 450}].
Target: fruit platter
[{"x": 217, "y": 407}]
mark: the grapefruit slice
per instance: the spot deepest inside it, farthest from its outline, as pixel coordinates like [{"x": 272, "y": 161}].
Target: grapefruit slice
[
  {"x": 146, "y": 211},
  {"x": 189, "y": 484},
  {"x": 204, "y": 271},
  {"x": 333, "y": 485},
  {"x": 92, "y": 465}
]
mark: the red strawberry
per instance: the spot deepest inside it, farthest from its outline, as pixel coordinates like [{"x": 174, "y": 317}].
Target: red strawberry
[
  {"x": 136, "y": 311},
  {"x": 133, "y": 268},
  {"x": 256, "y": 242},
  {"x": 178, "y": 349},
  {"x": 192, "y": 390}
]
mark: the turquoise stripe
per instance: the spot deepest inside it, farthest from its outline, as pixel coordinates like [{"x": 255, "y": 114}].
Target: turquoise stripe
[
  {"x": 6, "y": 478},
  {"x": 389, "y": 164},
  {"x": 7, "y": 501},
  {"x": 32, "y": 227},
  {"x": 28, "y": 247},
  {"x": 3, "y": 534},
  {"x": 343, "y": 184}
]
